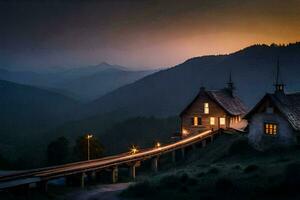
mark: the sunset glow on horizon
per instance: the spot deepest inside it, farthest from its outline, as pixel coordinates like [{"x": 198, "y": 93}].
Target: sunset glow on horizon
[{"x": 140, "y": 34}]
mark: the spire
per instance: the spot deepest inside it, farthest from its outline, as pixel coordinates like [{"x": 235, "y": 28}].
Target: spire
[
  {"x": 279, "y": 86},
  {"x": 230, "y": 85},
  {"x": 277, "y": 72}
]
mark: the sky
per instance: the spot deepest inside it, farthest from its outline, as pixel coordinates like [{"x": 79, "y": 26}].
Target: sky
[{"x": 138, "y": 34}]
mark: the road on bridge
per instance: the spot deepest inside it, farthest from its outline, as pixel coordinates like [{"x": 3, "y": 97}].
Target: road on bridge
[{"x": 45, "y": 174}]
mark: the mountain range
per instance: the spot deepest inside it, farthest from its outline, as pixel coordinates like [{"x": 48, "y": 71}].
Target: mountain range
[
  {"x": 28, "y": 111},
  {"x": 82, "y": 83},
  {"x": 166, "y": 92}
]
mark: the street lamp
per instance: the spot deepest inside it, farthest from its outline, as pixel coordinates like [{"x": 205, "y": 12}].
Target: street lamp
[
  {"x": 89, "y": 136},
  {"x": 134, "y": 150},
  {"x": 157, "y": 145}
]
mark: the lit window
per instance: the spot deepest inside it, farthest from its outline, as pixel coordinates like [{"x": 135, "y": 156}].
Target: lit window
[
  {"x": 270, "y": 128},
  {"x": 212, "y": 121},
  {"x": 195, "y": 121},
  {"x": 222, "y": 121},
  {"x": 206, "y": 108}
]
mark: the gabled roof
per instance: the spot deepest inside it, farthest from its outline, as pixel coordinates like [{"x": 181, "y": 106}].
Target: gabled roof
[
  {"x": 287, "y": 104},
  {"x": 225, "y": 99}
]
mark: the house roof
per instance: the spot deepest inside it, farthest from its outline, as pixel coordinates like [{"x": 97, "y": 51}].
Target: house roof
[
  {"x": 287, "y": 104},
  {"x": 232, "y": 104}
]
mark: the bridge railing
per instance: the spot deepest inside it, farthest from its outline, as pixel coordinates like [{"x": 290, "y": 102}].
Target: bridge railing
[{"x": 96, "y": 164}]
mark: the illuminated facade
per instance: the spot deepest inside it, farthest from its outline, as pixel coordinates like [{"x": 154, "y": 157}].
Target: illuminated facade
[{"x": 212, "y": 110}]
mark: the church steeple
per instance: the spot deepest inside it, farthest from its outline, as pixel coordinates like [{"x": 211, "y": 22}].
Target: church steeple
[{"x": 279, "y": 86}]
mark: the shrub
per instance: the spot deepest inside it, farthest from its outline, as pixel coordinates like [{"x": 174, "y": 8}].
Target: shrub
[
  {"x": 297, "y": 146},
  {"x": 187, "y": 180},
  {"x": 292, "y": 176},
  {"x": 280, "y": 160},
  {"x": 4, "y": 163},
  {"x": 184, "y": 178},
  {"x": 213, "y": 170},
  {"x": 140, "y": 190},
  {"x": 272, "y": 179},
  {"x": 201, "y": 174},
  {"x": 237, "y": 167},
  {"x": 192, "y": 181},
  {"x": 184, "y": 189},
  {"x": 170, "y": 181},
  {"x": 224, "y": 185},
  {"x": 239, "y": 146},
  {"x": 251, "y": 168},
  {"x": 58, "y": 151}
]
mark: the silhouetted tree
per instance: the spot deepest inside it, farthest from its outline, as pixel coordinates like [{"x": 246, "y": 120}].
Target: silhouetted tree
[
  {"x": 4, "y": 163},
  {"x": 81, "y": 148},
  {"x": 58, "y": 151}
]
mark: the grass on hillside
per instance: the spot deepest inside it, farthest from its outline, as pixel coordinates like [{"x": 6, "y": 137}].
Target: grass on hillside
[{"x": 226, "y": 169}]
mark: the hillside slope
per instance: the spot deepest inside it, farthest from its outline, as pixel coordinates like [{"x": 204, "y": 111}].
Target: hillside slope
[
  {"x": 166, "y": 92},
  {"x": 226, "y": 169},
  {"x": 26, "y": 112}
]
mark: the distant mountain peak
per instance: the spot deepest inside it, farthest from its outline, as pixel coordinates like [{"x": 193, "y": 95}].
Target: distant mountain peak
[{"x": 105, "y": 64}]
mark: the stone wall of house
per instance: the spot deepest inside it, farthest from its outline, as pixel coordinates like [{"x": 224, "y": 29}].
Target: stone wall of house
[{"x": 261, "y": 141}]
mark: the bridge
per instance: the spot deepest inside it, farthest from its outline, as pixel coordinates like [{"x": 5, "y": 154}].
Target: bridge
[{"x": 41, "y": 176}]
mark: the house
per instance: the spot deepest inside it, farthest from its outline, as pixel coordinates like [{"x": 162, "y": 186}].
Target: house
[
  {"x": 211, "y": 110},
  {"x": 275, "y": 119}
]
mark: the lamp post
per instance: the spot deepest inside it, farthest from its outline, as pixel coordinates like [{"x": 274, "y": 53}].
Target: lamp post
[
  {"x": 89, "y": 136},
  {"x": 133, "y": 149},
  {"x": 158, "y": 145}
]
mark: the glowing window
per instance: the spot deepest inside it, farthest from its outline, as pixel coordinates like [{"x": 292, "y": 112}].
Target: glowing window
[
  {"x": 206, "y": 108},
  {"x": 271, "y": 128},
  {"x": 195, "y": 121},
  {"x": 222, "y": 121},
  {"x": 212, "y": 121}
]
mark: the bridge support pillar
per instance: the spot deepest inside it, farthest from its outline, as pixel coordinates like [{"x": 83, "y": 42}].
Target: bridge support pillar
[
  {"x": 204, "y": 143},
  {"x": 115, "y": 174},
  {"x": 183, "y": 152},
  {"x": 194, "y": 146},
  {"x": 43, "y": 186},
  {"x": 93, "y": 176},
  {"x": 82, "y": 180},
  {"x": 132, "y": 172},
  {"x": 174, "y": 157},
  {"x": 155, "y": 164}
]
